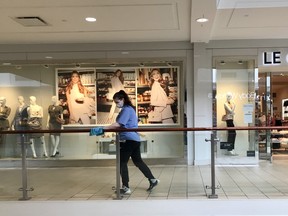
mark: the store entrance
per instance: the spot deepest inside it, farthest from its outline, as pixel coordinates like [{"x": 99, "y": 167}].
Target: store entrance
[{"x": 272, "y": 110}]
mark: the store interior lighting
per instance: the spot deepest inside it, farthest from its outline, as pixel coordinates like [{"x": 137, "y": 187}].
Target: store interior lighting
[{"x": 202, "y": 19}]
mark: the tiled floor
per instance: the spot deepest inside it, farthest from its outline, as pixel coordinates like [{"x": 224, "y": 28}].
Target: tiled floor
[
  {"x": 266, "y": 181},
  {"x": 243, "y": 190}
]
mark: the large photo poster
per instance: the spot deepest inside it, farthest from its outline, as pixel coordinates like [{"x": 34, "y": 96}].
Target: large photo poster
[
  {"x": 109, "y": 81},
  {"x": 153, "y": 92},
  {"x": 157, "y": 95},
  {"x": 76, "y": 93},
  {"x": 86, "y": 94}
]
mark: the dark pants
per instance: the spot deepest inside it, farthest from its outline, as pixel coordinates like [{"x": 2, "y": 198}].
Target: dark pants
[
  {"x": 231, "y": 134},
  {"x": 131, "y": 149}
]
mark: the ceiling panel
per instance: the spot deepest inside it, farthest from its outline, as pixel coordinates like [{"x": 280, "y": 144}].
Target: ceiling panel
[
  {"x": 258, "y": 18},
  {"x": 109, "y": 18},
  {"x": 143, "y": 20}
]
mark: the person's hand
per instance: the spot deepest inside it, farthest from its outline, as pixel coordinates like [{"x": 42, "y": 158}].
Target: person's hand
[
  {"x": 170, "y": 101},
  {"x": 96, "y": 131}
]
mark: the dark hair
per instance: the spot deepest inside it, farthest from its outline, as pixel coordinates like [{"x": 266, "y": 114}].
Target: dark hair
[
  {"x": 153, "y": 71},
  {"x": 79, "y": 84},
  {"x": 121, "y": 78},
  {"x": 122, "y": 95}
]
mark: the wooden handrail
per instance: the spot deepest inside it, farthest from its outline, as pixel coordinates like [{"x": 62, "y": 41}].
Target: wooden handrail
[{"x": 150, "y": 129}]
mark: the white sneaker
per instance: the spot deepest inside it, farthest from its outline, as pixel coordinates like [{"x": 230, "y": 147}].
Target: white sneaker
[
  {"x": 232, "y": 153},
  {"x": 125, "y": 190},
  {"x": 153, "y": 184}
]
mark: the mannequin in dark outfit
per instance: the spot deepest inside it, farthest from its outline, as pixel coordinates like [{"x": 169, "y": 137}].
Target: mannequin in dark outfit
[
  {"x": 229, "y": 110},
  {"x": 4, "y": 114},
  {"x": 54, "y": 111}
]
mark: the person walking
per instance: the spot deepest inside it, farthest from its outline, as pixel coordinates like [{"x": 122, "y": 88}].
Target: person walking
[{"x": 129, "y": 142}]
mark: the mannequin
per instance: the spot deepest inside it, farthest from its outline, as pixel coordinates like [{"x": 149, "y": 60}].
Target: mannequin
[
  {"x": 4, "y": 114},
  {"x": 21, "y": 116},
  {"x": 20, "y": 120},
  {"x": 55, "y": 111},
  {"x": 229, "y": 107},
  {"x": 35, "y": 115}
]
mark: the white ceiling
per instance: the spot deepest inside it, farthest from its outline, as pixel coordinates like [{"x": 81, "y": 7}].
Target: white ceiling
[{"x": 143, "y": 20}]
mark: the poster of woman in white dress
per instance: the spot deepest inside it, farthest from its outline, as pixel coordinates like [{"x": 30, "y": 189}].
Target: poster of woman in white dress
[
  {"x": 157, "y": 95},
  {"x": 109, "y": 81},
  {"x": 76, "y": 93}
]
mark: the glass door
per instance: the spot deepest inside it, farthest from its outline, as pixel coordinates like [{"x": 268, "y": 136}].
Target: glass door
[
  {"x": 234, "y": 84},
  {"x": 263, "y": 114}
]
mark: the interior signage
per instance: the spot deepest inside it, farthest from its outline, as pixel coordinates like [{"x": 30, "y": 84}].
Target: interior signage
[
  {"x": 270, "y": 58},
  {"x": 275, "y": 57}
]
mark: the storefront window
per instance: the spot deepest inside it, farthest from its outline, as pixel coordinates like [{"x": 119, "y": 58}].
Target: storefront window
[
  {"x": 44, "y": 91},
  {"x": 235, "y": 87}
]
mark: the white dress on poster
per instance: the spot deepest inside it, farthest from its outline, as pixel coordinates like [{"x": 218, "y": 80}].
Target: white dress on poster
[
  {"x": 159, "y": 101},
  {"x": 80, "y": 108}
]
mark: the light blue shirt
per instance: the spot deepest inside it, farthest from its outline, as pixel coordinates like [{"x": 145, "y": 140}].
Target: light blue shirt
[{"x": 127, "y": 119}]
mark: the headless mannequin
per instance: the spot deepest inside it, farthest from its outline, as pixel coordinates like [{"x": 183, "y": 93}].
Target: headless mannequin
[
  {"x": 54, "y": 111},
  {"x": 36, "y": 112},
  {"x": 20, "y": 119},
  {"x": 4, "y": 113},
  {"x": 229, "y": 110},
  {"x": 20, "y": 115}
]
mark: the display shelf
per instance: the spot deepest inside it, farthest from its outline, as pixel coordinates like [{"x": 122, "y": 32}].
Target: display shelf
[
  {"x": 143, "y": 103},
  {"x": 105, "y": 103}
]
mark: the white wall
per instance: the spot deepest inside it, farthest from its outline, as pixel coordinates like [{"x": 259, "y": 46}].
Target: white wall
[{"x": 202, "y": 103}]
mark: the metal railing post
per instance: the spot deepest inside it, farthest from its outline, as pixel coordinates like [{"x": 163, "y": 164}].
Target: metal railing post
[
  {"x": 213, "y": 187},
  {"x": 24, "y": 171},
  {"x": 118, "y": 196}
]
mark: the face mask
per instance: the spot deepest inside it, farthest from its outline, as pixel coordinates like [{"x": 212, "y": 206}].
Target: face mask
[{"x": 120, "y": 104}]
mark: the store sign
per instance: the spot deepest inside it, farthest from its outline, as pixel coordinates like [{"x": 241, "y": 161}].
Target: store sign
[
  {"x": 277, "y": 57},
  {"x": 270, "y": 58}
]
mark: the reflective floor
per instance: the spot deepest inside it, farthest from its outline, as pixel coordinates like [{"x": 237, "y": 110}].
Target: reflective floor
[
  {"x": 266, "y": 181},
  {"x": 243, "y": 190}
]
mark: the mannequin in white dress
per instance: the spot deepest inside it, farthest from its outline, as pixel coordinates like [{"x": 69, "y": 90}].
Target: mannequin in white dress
[{"x": 35, "y": 116}]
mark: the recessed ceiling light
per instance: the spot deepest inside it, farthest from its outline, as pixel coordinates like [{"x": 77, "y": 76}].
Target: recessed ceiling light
[
  {"x": 48, "y": 57},
  {"x": 6, "y": 63},
  {"x": 222, "y": 62},
  {"x": 202, "y": 20},
  {"x": 90, "y": 19}
]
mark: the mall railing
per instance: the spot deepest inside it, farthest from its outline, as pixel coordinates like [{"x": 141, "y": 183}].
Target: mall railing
[{"x": 213, "y": 139}]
